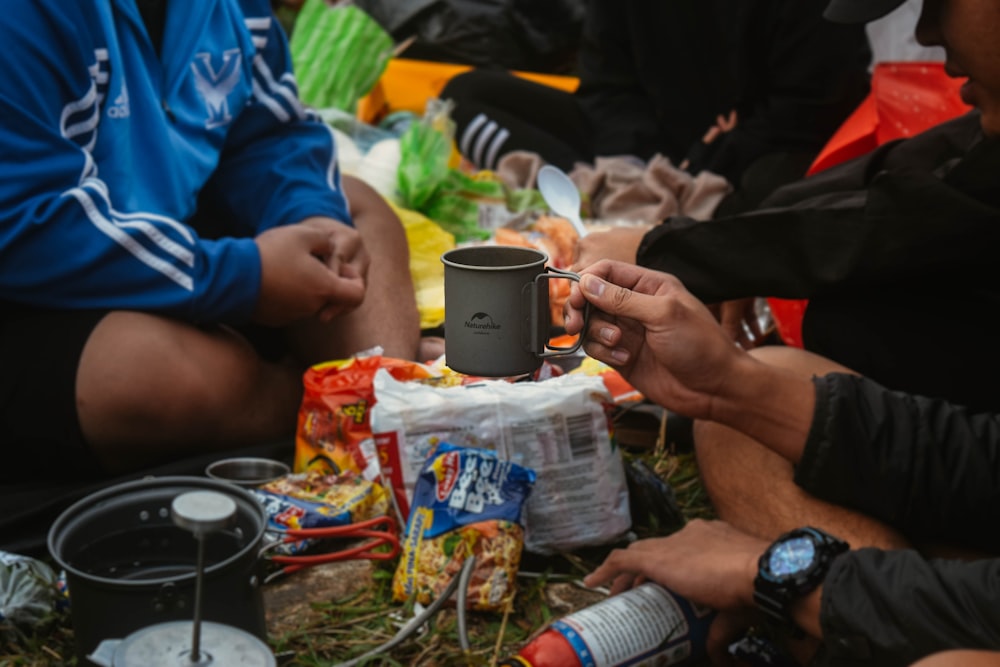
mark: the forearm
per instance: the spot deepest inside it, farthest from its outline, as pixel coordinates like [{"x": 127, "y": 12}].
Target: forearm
[
  {"x": 872, "y": 222},
  {"x": 772, "y": 405}
]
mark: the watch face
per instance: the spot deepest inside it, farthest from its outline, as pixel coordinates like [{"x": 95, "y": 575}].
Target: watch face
[{"x": 790, "y": 556}]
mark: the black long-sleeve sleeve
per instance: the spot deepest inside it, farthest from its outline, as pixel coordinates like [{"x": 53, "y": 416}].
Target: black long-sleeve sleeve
[
  {"x": 924, "y": 211},
  {"x": 893, "y": 608},
  {"x": 931, "y": 470},
  {"x": 924, "y": 466}
]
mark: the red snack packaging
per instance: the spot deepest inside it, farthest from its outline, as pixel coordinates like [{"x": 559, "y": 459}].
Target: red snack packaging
[{"x": 333, "y": 433}]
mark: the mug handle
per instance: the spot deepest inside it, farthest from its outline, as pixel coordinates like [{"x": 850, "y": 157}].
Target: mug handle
[{"x": 546, "y": 350}]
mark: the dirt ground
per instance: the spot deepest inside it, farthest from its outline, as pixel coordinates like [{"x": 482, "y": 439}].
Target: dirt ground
[{"x": 290, "y": 602}]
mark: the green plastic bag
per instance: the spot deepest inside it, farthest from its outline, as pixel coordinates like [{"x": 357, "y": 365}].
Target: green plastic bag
[
  {"x": 459, "y": 203},
  {"x": 338, "y": 54},
  {"x": 425, "y": 149}
]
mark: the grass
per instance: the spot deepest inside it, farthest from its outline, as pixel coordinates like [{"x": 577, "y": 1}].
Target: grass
[
  {"x": 353, "y": 626},
  {"x": 349, "y": 627}
]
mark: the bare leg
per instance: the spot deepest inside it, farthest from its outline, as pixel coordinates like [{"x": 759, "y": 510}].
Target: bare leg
[
  {"x": 388, "y": 316},
  {"x": 752, "y": 488},
  {"x": 151, "y": 389},
  {"x": 959, "y": 657}
]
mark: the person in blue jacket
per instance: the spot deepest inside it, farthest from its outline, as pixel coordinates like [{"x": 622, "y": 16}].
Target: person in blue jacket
[{"x": 177, "y": 242}]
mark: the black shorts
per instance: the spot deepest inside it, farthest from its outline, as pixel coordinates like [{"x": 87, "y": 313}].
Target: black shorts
[{"x": 39, "y": 355}]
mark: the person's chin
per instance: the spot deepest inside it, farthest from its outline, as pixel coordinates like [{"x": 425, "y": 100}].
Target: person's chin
[
  {"x": 967, "y": 92},
  {"x": 991, "y": 125},
  {"x": 990, "y": 112}
]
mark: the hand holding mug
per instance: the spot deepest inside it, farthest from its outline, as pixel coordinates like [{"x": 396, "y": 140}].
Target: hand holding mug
[{"x": 662, "y": 339}]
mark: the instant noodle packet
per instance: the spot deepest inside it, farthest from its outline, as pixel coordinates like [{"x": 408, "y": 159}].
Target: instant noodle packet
[
  {"x": 333, "y": 434},
  {"x": 467, "y": 502},
  {"x": 316, "y": 499},
  {"x": 559, "y": 428}
]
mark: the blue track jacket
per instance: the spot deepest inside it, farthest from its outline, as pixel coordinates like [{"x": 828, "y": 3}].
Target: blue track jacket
[{"x": 107, "y": 152}]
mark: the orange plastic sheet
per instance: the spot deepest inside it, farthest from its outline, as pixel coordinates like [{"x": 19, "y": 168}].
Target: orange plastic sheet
[
  {"x": 407, "y": 84},
  {"x": 906, "y": 98}
]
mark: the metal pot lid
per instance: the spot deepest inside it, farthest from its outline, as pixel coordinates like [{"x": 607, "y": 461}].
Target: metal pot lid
[{"x": 169, "y": 645}]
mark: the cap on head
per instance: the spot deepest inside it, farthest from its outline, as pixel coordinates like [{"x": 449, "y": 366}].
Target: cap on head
[{"x": 859, "y": 11}]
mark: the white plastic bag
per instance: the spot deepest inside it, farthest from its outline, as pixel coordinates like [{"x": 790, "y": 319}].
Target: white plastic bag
[{"x": 558, "y": 427}]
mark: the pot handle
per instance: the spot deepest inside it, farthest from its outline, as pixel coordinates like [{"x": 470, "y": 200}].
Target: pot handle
[{"x": 361, "y": 529}]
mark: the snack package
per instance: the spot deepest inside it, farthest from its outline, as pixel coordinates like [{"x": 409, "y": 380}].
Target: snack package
[
  {"x": 621, "y": 390},
  {"x": 316, "y": 499},
  {"x": 558, "y": 427},
  {"x": 427, "y": 242},
  {"x": 333, "y": 434},
  {"x": 467, "y": 502}
]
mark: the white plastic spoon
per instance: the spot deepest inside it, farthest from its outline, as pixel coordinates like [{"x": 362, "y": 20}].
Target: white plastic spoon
[{"x": 561, "y": 195}]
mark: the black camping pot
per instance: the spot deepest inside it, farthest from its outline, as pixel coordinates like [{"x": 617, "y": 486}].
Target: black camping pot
[{"x": 128, "y": 566}]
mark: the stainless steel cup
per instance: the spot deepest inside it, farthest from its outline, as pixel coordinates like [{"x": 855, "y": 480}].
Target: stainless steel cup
[
  {"x": 247, "y": 472},
  {"x": 497, "y": 317}
]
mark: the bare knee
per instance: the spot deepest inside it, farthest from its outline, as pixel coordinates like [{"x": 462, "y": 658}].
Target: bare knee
[
  {"x": 379, "y": 226},
  {"x": 797, "y": 359},
  {"x": 746, "y": 483},
  {"x": 147, "y": 379}
]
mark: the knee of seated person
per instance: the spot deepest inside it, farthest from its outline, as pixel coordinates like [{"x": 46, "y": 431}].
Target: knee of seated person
[
  {"x": 457, "y": 86},
  {"x": 196, "y": 398},
  {"x": 797, "y": 360},
  {"x": 470, "y": 84},
  {"x": 720, "y": 472}
]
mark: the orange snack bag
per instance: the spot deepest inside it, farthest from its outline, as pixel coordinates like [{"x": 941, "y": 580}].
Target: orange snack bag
[{"x": 333, "y": 433}]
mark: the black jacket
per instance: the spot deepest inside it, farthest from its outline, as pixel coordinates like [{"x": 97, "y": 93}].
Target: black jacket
[
  {"x": 921, "y": 211},
  {"x": 654, "y": 76},
  {"x": 896, "y": 252},
  {"x": 932, "y": 471}
]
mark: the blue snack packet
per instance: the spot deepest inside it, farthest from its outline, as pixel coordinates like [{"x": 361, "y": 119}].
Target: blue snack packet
[{"x": 466, "y": 502}]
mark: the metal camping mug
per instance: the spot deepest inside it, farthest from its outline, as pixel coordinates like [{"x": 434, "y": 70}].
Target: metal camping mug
[
  {"x": 497, "y": 315},
  {"x": 247, "y": 471}
]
